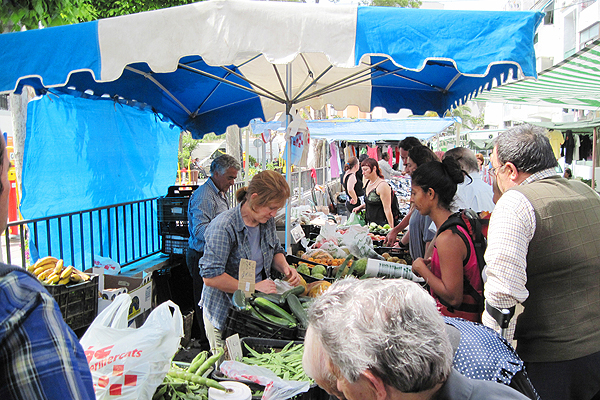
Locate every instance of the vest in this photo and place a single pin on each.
(561, 317)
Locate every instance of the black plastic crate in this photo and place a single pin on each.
(402, 253)
(245, 325)
(174, 244)
(309, 279)
(78, 303)
(172, 212)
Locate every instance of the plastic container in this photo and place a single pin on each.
(172, 214)
(78, 303)
(246, 325)
(378, 268)
(174, 244)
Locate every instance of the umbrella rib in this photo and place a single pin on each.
(225, 81)
(333, 86)
(354, 79)
(252, 83)
(157, 83)
(312, 82)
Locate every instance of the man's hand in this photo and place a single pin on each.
(391, 237)
(266, 286)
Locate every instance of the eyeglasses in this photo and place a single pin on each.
(493, 170)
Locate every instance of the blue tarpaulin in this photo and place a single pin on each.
(82, 154)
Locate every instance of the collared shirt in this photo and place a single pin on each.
(387, 170)
(40, 355)
(473, 193)
(205, 204)
(226, 244)
(512, 227)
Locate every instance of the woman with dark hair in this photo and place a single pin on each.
(246, 231)
(378, 195)
(452, 263)
(352, 184)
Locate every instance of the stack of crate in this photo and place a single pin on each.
(173, 219)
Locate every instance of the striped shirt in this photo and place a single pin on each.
(227, 242)
(205, 204)
(512, 227)
(40, 356)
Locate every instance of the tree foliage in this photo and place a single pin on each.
(111, 8)
(392, 3)
(31, 13)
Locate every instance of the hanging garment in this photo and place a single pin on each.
(569, 146)
(556, 140)
(372, 152)
(334, 160)
(585, 149)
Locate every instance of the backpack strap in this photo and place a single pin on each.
(452, 223)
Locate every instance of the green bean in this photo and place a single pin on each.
(197, 362)
(210, 361)
(195, 379)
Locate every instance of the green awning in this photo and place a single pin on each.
(578, 127)
(481, 144)
(573, 83)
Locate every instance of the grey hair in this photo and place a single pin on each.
(527, 147)
(222, 163)
(390, 327)
(465, 157)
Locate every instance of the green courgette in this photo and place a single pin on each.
(274, 298)
(265, 316)
(298, 310)
(273, 309)
(297, 290)
(239, 300)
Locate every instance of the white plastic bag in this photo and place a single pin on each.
(126, 362)
(275, 387)
(110, 266)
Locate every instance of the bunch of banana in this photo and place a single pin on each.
(51, 271)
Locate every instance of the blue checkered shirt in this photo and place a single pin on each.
(205, 204)
(226, 244)
(40, 356)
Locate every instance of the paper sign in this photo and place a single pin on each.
(297, 233)
(247, 276)
(234, 347)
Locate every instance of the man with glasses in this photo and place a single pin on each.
(544, 252)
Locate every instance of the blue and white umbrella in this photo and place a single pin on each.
(212, 64)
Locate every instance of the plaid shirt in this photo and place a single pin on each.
(40, 356)
(226, 244)
(205, 204)
(512, 227)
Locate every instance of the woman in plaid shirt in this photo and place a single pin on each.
(246, 231)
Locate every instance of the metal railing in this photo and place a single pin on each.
(125, 232)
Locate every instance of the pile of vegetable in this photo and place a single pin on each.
(187, 380)
(285, 310)
(285, 363)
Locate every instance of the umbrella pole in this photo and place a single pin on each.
(288, 167)
(594, 157)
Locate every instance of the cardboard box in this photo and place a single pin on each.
(139, 286)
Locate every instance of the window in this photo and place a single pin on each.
(3, 102)
(589, 34)
(549, 17)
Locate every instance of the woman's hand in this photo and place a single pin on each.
(420, 265)
(292, 276)
(392, 236)
(266, 286)
(352, 201)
